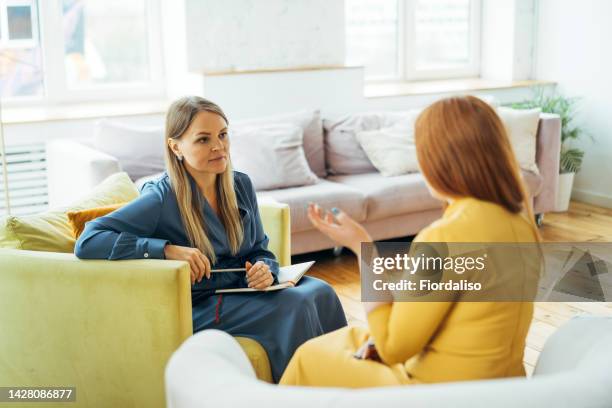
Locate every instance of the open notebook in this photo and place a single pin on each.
(288, 276)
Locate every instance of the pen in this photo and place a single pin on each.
(229, 270)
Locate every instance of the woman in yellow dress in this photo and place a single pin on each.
(466, 159)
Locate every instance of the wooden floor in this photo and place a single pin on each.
(583, 222)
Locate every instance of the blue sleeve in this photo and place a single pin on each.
(125, 233)
(259, 251)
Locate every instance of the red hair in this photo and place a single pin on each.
(464, 151)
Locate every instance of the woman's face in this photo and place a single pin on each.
(205, 144)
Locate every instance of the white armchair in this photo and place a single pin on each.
(210, 370)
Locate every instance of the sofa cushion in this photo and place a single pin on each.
(325, 193)
(389, 196)
(77, 219)
(343, 153)
(310, 122)
(144, 180)
(272, 155)
(522, 128)
(391, 150)
(51, 231)
(139, 150)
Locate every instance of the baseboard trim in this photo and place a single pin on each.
(590, 197)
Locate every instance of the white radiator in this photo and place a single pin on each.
(27, 180)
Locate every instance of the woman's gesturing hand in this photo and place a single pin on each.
(199, 263)
(259, 275)
(339, 227)
(368, 352)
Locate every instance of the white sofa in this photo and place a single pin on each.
(210, 370)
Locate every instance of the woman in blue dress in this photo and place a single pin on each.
(203, 212)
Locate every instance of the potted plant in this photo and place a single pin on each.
(571, 157)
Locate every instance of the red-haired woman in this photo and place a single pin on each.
(466, 159)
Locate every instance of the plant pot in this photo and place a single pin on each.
(564, 191)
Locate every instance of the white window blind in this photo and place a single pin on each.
(27, 180)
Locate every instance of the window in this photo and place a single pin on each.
(372, 36)
(413, 39)
(90, 49)
(21, 72)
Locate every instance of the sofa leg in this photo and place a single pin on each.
(337, 250)
(539, 219)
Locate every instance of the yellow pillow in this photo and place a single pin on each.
(51, 231)
(77, 219)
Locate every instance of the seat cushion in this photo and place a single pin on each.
(325, 193)
(389, 196)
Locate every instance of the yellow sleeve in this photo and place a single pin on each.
(402, 329)
(432, 233)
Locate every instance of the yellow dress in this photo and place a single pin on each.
(428, 342)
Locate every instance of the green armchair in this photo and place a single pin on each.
(107, 328)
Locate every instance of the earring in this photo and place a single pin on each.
(179, 157)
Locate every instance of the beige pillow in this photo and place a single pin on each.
(271, 155)
(310, 122)
(50, 230)
(343, 153)
(139, 149)
(391, 149)
(522, 128)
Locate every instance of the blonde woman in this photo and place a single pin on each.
(203, 212)
(466, 159)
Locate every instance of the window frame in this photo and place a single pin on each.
(5, 41)
(406, 71)
(56, 89)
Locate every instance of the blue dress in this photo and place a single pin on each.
(280, 320)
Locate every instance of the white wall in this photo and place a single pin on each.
(251, 34)
(313, 27)
(573, 48)
(43, 131)
(333, 91)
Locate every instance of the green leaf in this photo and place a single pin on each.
(571, 160)
(565, 107)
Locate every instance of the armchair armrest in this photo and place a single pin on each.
(277, 225)
(74, 168)
(95, 325)
(548, 150)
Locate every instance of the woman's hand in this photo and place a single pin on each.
(343, 229)
(368, 352)
(198, 262)
(259, 275)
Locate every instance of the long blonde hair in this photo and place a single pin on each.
(178, 118)
(469, 129)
